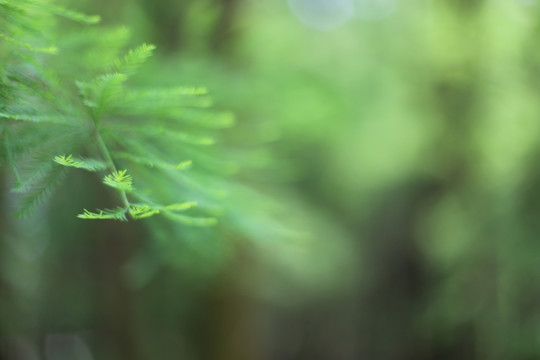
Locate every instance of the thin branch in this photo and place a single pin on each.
(111, 166)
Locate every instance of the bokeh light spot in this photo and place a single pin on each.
(322, 14)
(374, 9)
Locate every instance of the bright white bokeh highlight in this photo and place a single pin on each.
(374, 9)
(330, 14)
(322, 14)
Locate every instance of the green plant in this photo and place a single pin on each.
(71, 107)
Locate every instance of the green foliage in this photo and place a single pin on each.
(80, 163)
(38, 188)
(50, 49)
(119, 180)
(61, 11)
(142, 211)
(134, 59)
(107, 214)
(181, 206)
(158, 135)
(152, 162)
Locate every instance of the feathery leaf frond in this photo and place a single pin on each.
(47, 50)
(150, 162)
(80, 163)
(106, 214)
(181, 206)
(190, 220)
(162, 133)
(103, 91)
(52, 119)
(41, 190)
(68, 14)
(41, 117)
(142, 211)
(119, 180)
(134, 59)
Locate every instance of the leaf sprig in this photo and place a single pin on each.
(120, 180)
(80, 163)
(164, 136)
(106, 214)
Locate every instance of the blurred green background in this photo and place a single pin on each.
(400, 144)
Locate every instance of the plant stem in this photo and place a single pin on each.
(111, 166)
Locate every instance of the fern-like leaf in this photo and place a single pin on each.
(100, 93)
(68, 14)
(146, 161)
(181, 206)
(53, 119)
(142, 126)
(9, 156)
(80, 163)
(191, 221)
(162, 133)
(142, 211)
(106, 214)
(48, 49)
(153, 100)
(134, 59)
(120, 180)
(40, 191)
(25, 184)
